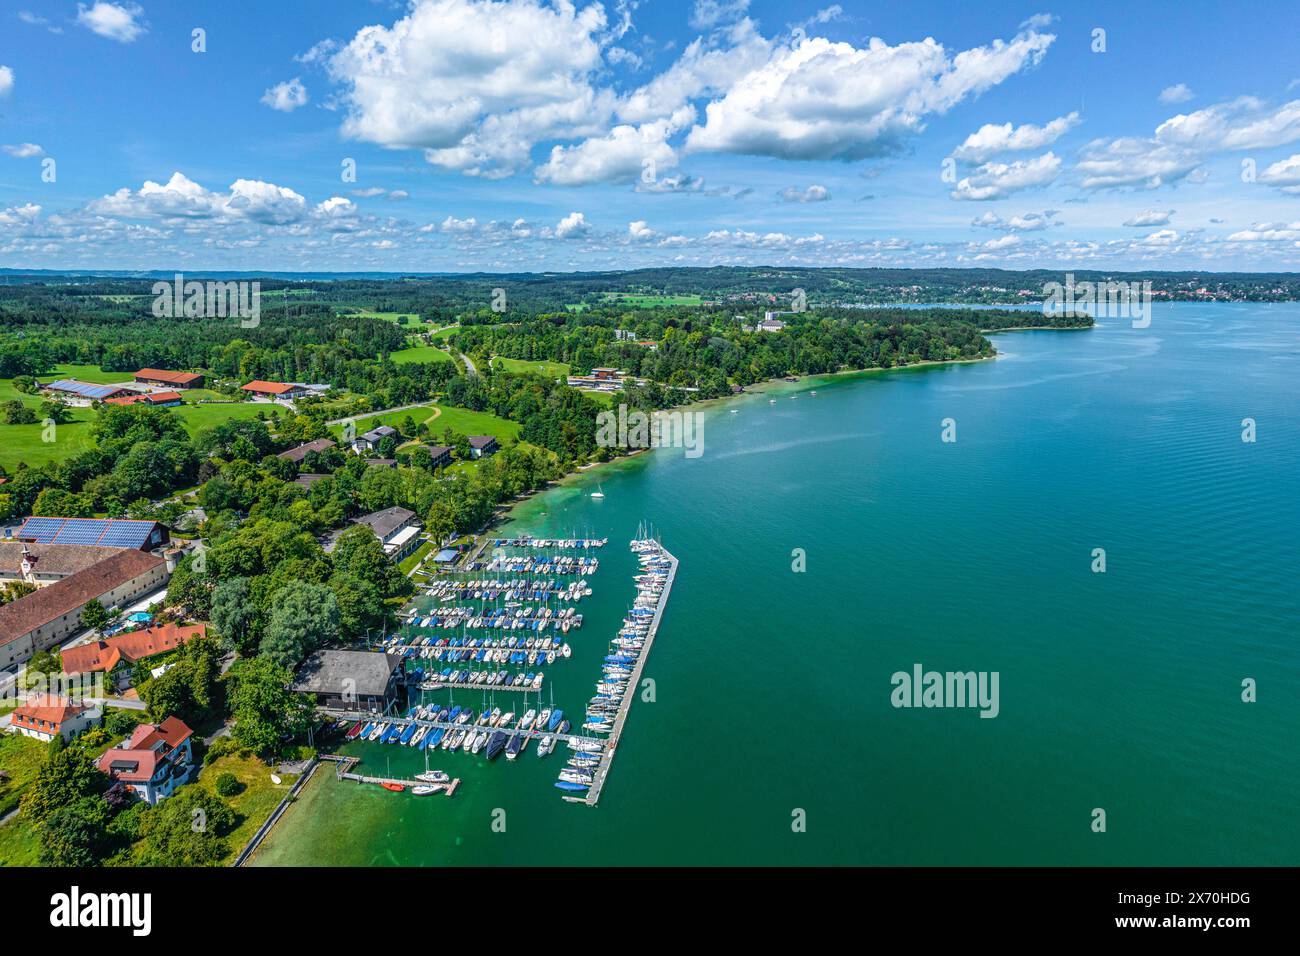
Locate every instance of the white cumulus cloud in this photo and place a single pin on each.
(824, 100)
(991, 139)
(1178, 93)
(473, 83)
(999, 180)
(287, 96)
(116, 21)
(572, 226)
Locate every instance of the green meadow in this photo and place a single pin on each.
(439, 418)
(551, 370)
(420, 353)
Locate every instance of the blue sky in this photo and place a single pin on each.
(522, 134)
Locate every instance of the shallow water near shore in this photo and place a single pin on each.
(1118, 690)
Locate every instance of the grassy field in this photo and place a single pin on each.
(650, 301)
(19, 443)
(445, 332)
(196, 417)
(439, 418)
(398, 317)
(26, 443)
(551, 370)
(254, 803)
(420, 353)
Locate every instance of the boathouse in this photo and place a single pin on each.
(350, 680)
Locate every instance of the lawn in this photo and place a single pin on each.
(439, 418)
(254, 803)
(26, 443)
(86, 373)
(408, 564)
(551, 370)
(420, 353)
(21, 758)
(445, 332)
(196, 417)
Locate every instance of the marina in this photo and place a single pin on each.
(588, 771)
(429, 725)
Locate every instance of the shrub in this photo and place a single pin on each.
(228, 785)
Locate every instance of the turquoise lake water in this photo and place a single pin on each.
(1118, 690)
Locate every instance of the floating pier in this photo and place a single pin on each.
(466, 685)
(574, 741)
(447, 788)
(625, 705)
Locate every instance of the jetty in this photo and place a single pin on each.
(625, 705)
(431, 685)
(574, 741)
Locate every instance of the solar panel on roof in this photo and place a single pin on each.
(105, 532)
(42, 530)
(81, 531)
(126, 534)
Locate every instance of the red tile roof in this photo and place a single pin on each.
(171, 731)
(270, 388)
(163, 375)
(133, 766)
(103, 655)
(153, 398)
(48, 709)
(68, 595)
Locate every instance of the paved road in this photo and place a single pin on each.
(469, 366)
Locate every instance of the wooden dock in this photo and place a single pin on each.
(634, 682)
(448, 788)
(466, 685)
(573, 741)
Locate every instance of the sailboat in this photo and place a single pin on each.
(598, 493)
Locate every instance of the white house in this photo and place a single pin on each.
(44, 715)
(154, 762)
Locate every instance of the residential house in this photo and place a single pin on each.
(439, 455)
(296, 455)
(274, 390)
(45, 716)
(152, 399)
(369, 441)
(481, 445)
(156, 759)
(105, 654)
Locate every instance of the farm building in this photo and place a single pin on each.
(274, 389)
(154, 399)
(158, 376)
(87, 390)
